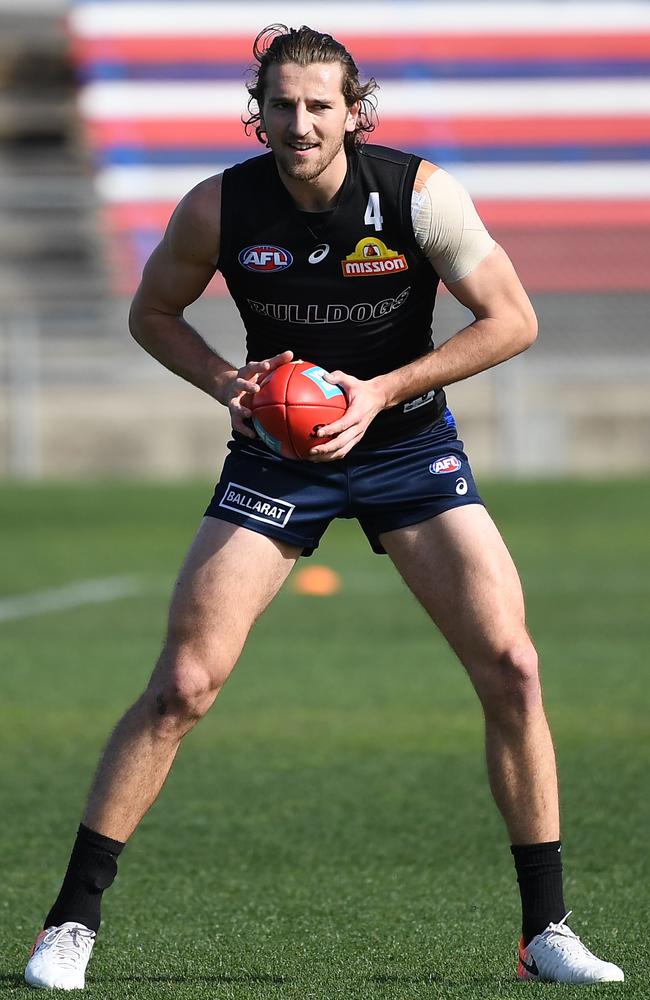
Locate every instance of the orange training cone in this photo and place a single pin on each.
(317, 581)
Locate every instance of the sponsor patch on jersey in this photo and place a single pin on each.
(319, 253)
(265, 259)
(256, 505)
(443, 465)
(371, 257)
(415, 404)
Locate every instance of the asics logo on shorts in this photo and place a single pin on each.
(256, 505)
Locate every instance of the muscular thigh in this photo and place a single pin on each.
(458, 567)
(229, 576)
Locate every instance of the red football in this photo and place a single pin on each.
(293, 402)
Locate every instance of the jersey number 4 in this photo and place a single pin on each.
(373, 215)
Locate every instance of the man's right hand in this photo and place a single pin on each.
(235, 386)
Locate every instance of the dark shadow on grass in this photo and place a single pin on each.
(15, 979)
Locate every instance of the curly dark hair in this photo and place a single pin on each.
(279, 44)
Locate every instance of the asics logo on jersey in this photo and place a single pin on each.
(265, 259)
(319, 254)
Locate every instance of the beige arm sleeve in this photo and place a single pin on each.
(447, 226)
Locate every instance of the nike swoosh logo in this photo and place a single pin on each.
(532, 968)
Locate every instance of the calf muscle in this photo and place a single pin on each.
(459, 569)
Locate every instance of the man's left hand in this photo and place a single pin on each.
(365, 401)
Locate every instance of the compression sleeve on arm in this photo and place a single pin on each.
(447, 226)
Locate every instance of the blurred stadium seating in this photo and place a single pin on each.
(542, 109)
(48, 245)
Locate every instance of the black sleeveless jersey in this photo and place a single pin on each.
(347, 289)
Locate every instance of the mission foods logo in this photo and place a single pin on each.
(264, 259)
(371, 256)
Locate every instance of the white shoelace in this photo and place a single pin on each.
(71, 945)
(568, 942)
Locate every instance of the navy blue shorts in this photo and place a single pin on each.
(384, 488)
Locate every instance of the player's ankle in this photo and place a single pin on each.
(539, 874)
(91, 870)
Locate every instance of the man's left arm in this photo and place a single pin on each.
(504, 325)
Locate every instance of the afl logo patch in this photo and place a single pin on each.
(265, 259)
(447, 464)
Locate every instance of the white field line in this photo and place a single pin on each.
(72, 595)
(359, 583)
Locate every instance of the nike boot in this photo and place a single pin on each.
(59, 957)
(557, 955)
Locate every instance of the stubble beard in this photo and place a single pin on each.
(309, 171)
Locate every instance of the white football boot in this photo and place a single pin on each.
(59, 957)
(557, 955)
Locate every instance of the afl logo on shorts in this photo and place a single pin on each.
(447, 464)
(265, 259)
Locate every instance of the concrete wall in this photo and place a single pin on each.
(512, 426)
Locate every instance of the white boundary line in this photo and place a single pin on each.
(72, 595)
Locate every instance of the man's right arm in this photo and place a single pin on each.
(175, 275)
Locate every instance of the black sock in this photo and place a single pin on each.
(539, 873)
(92, 868)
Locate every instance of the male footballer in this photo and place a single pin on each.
(290, 231)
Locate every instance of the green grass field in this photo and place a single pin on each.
(327, 831)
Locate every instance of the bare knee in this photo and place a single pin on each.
(508, 685)
(183, 687)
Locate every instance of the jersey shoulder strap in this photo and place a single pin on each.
(399, 169)
(239, 184)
